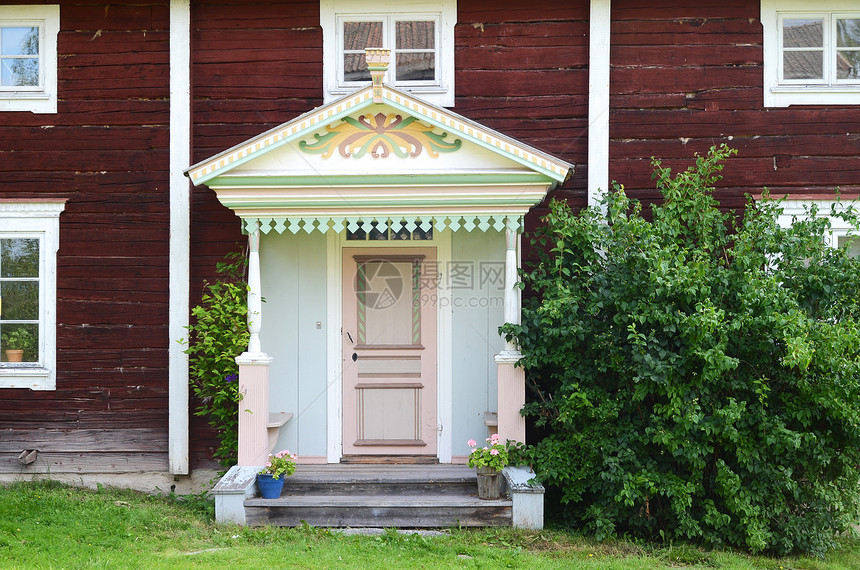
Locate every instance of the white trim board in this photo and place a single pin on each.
(180, 233)
(598, 100)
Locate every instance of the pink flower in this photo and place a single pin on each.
(471, 443)
(494, 452)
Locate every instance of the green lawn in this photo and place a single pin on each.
(46, 525)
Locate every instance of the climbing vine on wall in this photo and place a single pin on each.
(217, 335)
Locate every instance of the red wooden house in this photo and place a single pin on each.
(142, 140)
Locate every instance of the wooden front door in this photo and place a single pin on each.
(389, 351)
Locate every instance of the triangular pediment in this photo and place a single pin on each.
(394, 156)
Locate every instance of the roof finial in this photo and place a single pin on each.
(377, 63)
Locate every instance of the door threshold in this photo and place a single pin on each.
(391, 459)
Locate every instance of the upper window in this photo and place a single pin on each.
(29, 239)
(28, 58)
(418, 33)
(811, 56)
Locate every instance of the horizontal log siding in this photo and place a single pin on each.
(254, 66)
(522, 69)
(106, 151)
(688, 75)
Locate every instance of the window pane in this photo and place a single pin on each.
(19, 257)
(416, 66)
(803, 65)
(420, 234)
(378, 231)
(852, 243)
(362, 35)
(400, 233)
(19, 337)
(19, 72)
(19, 41)
(416, 35)
(355, 67)
(20, 300)
(847, 64)
(358, 235)
(802, 33)
(848, 33)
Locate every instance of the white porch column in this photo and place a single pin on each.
(254, 371)
(511, 379)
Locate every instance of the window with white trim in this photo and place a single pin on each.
(29, 240)
(28, 58)
(420, 35)
(841, 234)
(811, 52)
(849, 242)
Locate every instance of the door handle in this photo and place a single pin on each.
(349, 336)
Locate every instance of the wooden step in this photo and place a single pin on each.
(380, 480)
(378, 511)
(390, 459)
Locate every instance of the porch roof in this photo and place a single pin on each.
(398, 160)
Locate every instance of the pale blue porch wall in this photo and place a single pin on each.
(478, 312)
(295, 302)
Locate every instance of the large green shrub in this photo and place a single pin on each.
(697, 376)
(217, 335)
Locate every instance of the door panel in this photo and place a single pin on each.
(389, 352)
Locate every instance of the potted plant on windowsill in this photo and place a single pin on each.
(16, 343)
(489, 462)
(270, 479)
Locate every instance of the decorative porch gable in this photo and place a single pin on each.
(399, 159)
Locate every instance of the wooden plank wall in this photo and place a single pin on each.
(106, 151)
(688, 75)
(522, 69)
(254, 66)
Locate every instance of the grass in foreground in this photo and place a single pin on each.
(47, 525)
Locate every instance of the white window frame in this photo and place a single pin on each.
(37, 219)
(797, 209)
(828, 91)
(41, 99)
(443, 12)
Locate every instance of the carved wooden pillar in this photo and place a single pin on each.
(511, 379)
(254, 371)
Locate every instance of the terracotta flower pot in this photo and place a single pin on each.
(14, 355)
(489, 483)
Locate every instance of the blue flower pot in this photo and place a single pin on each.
(269, 487)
